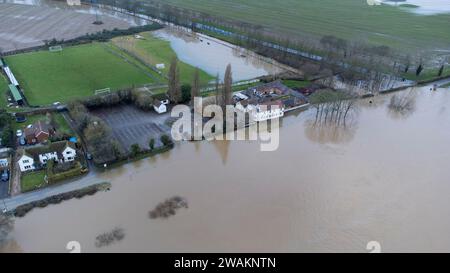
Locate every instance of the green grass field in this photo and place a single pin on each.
(3, 91)
(75, 72)
(349, 19)
(32, 181)
(155, 51)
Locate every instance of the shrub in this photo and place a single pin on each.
(151, 143)
(166, 140)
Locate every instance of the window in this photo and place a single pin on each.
(70, 158)
(68, 152)
(26, 161)
(27, 167)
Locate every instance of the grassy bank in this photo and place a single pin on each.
(75, 72)
(56, 199)
(3, 91)
(348, 19)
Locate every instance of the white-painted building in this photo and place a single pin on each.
(26, 163)
(159, 107)
(62, 151)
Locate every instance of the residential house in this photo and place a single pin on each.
(38, 132)
(61, 151)
(269, 101)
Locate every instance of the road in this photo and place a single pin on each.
(24, 198)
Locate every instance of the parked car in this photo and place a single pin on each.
(19, 133)
(5, 176)
(89, 156)
(22, 140)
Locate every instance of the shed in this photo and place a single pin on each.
(16, 94)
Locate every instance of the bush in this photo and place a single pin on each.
(166, 140)
(151, 144)
(135, 149)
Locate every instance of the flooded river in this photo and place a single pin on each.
(383, 177)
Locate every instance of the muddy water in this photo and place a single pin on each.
(212, 55)
(385, 177)
(427, 7)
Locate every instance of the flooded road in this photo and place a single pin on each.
(383, 177)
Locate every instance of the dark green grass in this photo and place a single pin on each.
(75, 72)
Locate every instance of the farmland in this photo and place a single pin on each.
(75, 72)
(349, 19)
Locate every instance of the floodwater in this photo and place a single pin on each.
(383, 177)
(427, 7)
(212, 55)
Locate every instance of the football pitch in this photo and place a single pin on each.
(74, 72)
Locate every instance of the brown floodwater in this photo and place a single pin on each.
(384, 177)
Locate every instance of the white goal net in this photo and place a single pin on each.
(102, 91)
(55, 48)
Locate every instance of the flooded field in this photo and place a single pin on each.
(212, 55)
(427, 7)
(383, 177)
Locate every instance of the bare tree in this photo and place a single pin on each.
(195, 89)
(174, 91)
(227, 94)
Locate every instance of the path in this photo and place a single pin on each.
(24, 198)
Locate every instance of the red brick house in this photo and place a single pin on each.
(39, 132)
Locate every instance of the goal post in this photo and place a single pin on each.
(57, 48)
(103, 91)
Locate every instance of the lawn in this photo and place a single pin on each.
(349, 19)
(32, 180)
(154, 51)
(3, 91)
(296, 84)
(75, 72)
(61, 124)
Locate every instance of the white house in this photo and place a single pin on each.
(69, 153)
(61, 151)
(159, 107)
(26, 163)
(261, 112)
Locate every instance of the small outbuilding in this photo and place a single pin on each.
(16, 94)
(159, 107)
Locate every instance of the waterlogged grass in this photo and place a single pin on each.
(155, 51)
(75, 72)
(348, 19)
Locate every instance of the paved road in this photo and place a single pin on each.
(24, 198)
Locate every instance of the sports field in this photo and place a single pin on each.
(350, 19)
(156, 51)
(75, 72)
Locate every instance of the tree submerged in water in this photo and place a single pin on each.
(108, 238)
(168, 208)
(6, 226)
(402, 105)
